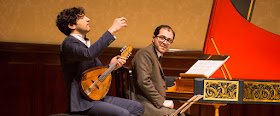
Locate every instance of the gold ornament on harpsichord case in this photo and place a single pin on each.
(221, 90)
(261, 92)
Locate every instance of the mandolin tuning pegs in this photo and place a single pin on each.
(128, 55)
(122, 49)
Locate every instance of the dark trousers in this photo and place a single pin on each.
(115, 106)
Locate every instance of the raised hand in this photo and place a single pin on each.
(117, 25)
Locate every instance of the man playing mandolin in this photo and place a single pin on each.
(78, 55)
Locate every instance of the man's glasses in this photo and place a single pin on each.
(163, 39)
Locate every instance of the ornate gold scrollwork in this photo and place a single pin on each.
(261, 91)
(221, 90)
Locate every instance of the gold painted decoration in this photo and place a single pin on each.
(221, 90)
(261, 91)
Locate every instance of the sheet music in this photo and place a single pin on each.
(205, 67)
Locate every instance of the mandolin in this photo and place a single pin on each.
(95, 82)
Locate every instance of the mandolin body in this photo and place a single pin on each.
(91, 86)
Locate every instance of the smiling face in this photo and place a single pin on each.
(82, 25)
(163, 39)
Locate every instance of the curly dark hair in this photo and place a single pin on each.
(165, 27)
(68, 16)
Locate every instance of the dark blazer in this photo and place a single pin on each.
(150, 83)
(75, 58)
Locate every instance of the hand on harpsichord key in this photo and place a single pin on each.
(168, 104)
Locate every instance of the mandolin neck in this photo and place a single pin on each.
(107, 72)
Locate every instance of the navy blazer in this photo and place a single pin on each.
(75, 58)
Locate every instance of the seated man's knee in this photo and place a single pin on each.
(139, 109)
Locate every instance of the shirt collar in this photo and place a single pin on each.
(157, 52)
(80, 37)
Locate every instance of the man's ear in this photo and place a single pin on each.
(72, 26)
(153, 38)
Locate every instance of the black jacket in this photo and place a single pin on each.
(75, 58)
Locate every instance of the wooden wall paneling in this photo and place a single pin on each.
(33, 71)
(54, 94)
(18, 83)
(179, 61)
(16, 90)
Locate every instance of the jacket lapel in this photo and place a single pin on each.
(155, 57)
